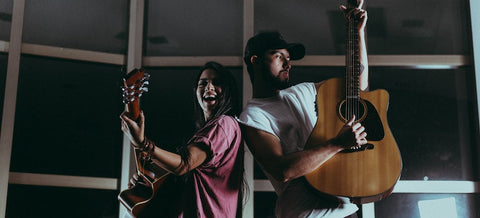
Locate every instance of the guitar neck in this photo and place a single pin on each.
(353, 65)
(352, 59)
(133, 108)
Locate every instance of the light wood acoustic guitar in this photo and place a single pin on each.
(364, 174)
(137, 199)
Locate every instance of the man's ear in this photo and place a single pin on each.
(253, 59)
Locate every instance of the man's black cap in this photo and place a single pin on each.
(264, 41)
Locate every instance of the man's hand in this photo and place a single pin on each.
(352, 135)
(356, 13)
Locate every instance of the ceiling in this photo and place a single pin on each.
(196, 28)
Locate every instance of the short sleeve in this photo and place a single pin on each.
(216, 138)
(256, 118)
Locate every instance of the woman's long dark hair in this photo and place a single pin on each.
(228, 100)
(228, 104)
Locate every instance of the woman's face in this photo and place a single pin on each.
(208, 91)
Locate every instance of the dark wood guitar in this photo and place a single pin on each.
(364, 174)
(137, 198)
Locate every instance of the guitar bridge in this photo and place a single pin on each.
(361, 148)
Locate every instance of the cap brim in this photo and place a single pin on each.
(296, 50)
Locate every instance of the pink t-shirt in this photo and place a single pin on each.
(217, 181)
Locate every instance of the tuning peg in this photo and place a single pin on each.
(125, 100)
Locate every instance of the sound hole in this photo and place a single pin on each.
(367, 115)
(347, 108)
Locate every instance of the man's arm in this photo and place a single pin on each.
(362, 47)
(267, 150)
(362, 17)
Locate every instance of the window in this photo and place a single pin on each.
(66, 138)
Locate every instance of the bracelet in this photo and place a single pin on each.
(148, 147)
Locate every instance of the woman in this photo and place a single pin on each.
(213, 156)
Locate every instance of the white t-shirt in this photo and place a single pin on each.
(291, 116)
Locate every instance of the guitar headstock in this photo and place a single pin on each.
(354, 4)
(134, 85)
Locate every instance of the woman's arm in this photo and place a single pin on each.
(170, 161)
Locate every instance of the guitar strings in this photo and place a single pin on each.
(352, 106)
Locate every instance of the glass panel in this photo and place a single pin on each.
(60, 202)
(264, 204)
(394, 27)
(190, 28)
(168, 105)
(67, 118)
(314, 74)
(412, 205)
(5, 19)
(82, 24)
(433, 119)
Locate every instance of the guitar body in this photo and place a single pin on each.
(364, 175)
(138, 199)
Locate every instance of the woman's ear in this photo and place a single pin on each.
(253, 59)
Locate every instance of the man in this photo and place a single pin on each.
(278, 121)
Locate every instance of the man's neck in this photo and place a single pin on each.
(264, 90)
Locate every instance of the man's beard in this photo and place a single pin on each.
(275, 80)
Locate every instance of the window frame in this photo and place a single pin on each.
(134, 59)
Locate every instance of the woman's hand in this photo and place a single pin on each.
(135, 131)
(136, 180)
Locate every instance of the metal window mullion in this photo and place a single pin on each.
(63, 181)
(74, 54)
(475, 22)
(134, 60)
(248, 31)
(192, 61)
(408, 186)
(429, 61)
(418, 61)
(368, 210)
(415, 61)
(11, 85)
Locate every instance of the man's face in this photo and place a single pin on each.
(276, 63)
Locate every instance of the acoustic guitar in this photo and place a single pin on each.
(137, 198)
(370, 172)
